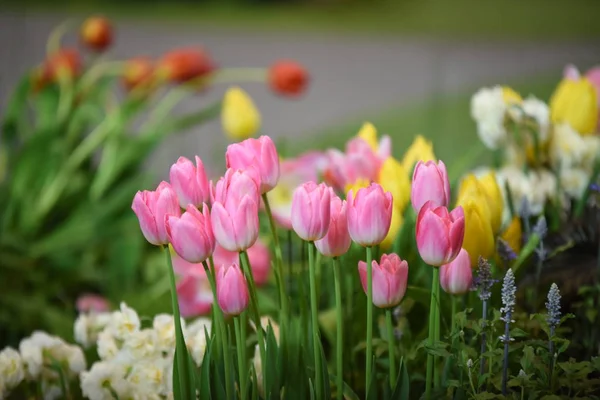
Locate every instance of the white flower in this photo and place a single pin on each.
(11, 368)
(574, 181)
(96, 384)
(518, 184)
(75, 358)
(197, 346)
(52, 391)
(150, 377)
(591, 153)
(124, 322)
(198, 326)
(541, 188)
(539, 111)
(142, 344)
(567, 148)
(107, 345)
(31, 354)
(164, 326)
(488, 109)
(88, 325)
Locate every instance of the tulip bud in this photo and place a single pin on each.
(430, 183)
(138, 72)
(260, 154)
(478, 234)
(64, 62)
(575, 102)
(97, 33)
(190, 182)
(232, 290)
(390, 279)
(191, 234)
(184, 64)
(288, 78)
(439, 233)
(456, 276)
(91, 303)
(234, 213)
(239, 116)
(337, 240)
(152, 209)
(369, 215)
(310, 211)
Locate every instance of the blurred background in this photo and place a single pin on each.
(409, 67)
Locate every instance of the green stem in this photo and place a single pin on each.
(254, 310)
(369, 317)
(435, 283)
(437, 377)
(241, 349)
(220, 319)
(314, 318)
(340, 331)
(181, 354)
(391, 350)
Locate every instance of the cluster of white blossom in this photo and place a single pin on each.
(41, 358)
(135, 362)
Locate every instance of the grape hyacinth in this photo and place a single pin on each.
(483, 283)
(506, 253)
(553, 319)
(509, 291)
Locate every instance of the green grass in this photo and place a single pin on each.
(446, 122)
(535, 19)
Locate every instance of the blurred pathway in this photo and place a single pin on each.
(351, 75)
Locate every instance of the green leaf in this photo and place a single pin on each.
(347, 391)
(372, 387)
(402, 389)
(325, 372)
(13, 123)
(273, 388)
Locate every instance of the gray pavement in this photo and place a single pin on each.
(351, 75)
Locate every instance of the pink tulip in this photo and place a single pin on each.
(310, 210)
(190, 182)
(152, 208)
(571, 72)
(194, 295)
(232, 290)
(191, 234)
(258, 153)
(337, 240)
(364, 161)
(390, 278)
(430, 182)
(369, 215)
(91, 303)
(439, 233)
(234, 214)
(259, 256)
(456, 276)
(184, 268)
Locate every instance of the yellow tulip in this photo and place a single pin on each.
(421, 149)
(510, 96)
(395, 226)
(358, 184)
(368, 133)
(471, 188)
(486, 188)
(575, 101)
(479, 237)
(513, 234)
(239, 116)
(394, 179)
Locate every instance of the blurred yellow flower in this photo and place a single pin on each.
(394, 179)
(395, 226)
(575, 101)
(421, 149)
(510, 96)
(479, 237)
(358, 184)
(513, 234)
(368, 133)
(239, 116)
(485, 188)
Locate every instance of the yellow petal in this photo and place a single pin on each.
(510, 96)
(575, 102)
(358, 184)
(368, 133)
(479, 238)
(513, 234)
(395, 226)
(394, 179)
(495, 200)
(239, 116)
(420, 150)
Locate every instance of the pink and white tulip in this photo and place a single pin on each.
(190, 182)
(232, 290)
(88, 302)
(369, 215)
(194, 295)
(258, 153)
(439, 233)
(337, 240)
(310, 211)
(191, 234)
(390, 279)
(258, 255)
(234, 213)
(152, 209)
(456, 276)
(430, 183)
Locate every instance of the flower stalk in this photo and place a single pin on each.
(508, 303)
(369, 355)
(339, 352)
(391, 347)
